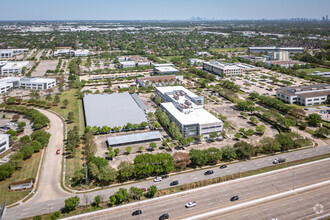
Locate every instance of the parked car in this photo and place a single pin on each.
(174, 183)
(58, 151)
(191, 204)
(158, 179)
(164, 216)
(223, 166)
(137, 212)
(209, 172)
(234, 198)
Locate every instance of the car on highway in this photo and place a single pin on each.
(234, 198)
(174, 183)
(137, 212)
(223, 166)
(191, 204)
(58, 151)
(158, 179)
(164, 216)
(209, 172)
(277, 161)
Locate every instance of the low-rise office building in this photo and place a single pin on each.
(165, 70)
(26, 83)
(8, 83)
(195, 61)
(202, 53)
(75, 53)
(5, 143)
(304, 95)
(13, 67)
(158, 80)
(275, 49)
(132, 61)
(186, 110)
(9, 53)
(252, 58)
(284, 63)
(223, 69)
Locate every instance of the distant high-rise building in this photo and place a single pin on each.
(326, 18)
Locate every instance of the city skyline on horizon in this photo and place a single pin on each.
(37, 10)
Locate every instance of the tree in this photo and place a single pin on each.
(153, 146)
(113, 200)
(125, 171)
(254, 120)
(199, 137)
(322, 132)
(181, 160)
(141, 148)
(71, 117)
(116, 150)
(49, 98)
(314, 119)
(71, 204)
(121, 196)
(128, 149)
(171, 146)
(111, 153)
(158, 100)
(285, 141)
(261, 129)
(151, 192)
(135, 192)
(15, 117)
(238, 136)
(244, 150)
(107, 175)
(97, 200)
(183, 142)
(56, 100)
(228, 153)
(270, 145)
(155, 125)
(213, 135)
(65, 103)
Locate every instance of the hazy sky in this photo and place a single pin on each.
(160, 9)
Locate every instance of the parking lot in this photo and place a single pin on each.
(7, 123)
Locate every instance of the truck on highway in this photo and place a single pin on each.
(277, 161)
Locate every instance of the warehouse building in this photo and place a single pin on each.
(276, 49)
(112, 110)
(8, 67)
(186, 110)
(159, 80)
(131, 139)
(5, 143)
(304, 95)
(223, 69)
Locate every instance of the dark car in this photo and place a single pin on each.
(164, 216)
(209, 172)
(234, 198)
(137, 212)
(175, 182)
(223, 166)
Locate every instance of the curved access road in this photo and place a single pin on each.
(50, 176)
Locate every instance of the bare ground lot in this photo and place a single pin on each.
(43, 66)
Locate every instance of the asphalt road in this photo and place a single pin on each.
(50, 178)
(35, 207)
(305, 205)
(218, 197)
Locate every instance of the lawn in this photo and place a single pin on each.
(28, 170)
(168, 58)
(72, 165)
(311, 70)
(228, 49)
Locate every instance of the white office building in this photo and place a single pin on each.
(8, 83)
(75, 53)
(194, 61)
(276, 49)
(186, 110)
(5, 143)
(13, 67)
(202, 53)
(126, 64)
(223, 69)
(304, 95)
(9, 53)
(128, 61)
(37, 83)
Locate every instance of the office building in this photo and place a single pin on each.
(276, 49)
(9, 53)
(165, 70)
(132, 61)
(279, 55)
(195, 61)
(253, 59)
(304, 95)
(137, 138)
(159, 80)
(223, 69)
(202, 53)
(186, 110)
(5, 143)
(75, 53)
(284, 63)
(26, 83)
(8, 67)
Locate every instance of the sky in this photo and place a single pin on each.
(160, 9)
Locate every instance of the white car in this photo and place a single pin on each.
(191, 204)
(158, 179)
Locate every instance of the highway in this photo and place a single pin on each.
(218, 197)
(57, 202)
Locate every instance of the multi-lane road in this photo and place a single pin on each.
(259, 187)
(50, 196)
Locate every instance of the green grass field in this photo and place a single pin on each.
(28, 170)
(311, 70)
(228, 49)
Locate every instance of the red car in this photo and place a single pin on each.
(58, 151)
(144, 189)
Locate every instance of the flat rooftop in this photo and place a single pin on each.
(166, 89)
(196, 116)
(224, 66)
(36, 80)
(134, 138)
(166, 69)
(112, 110)
(17, 64)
